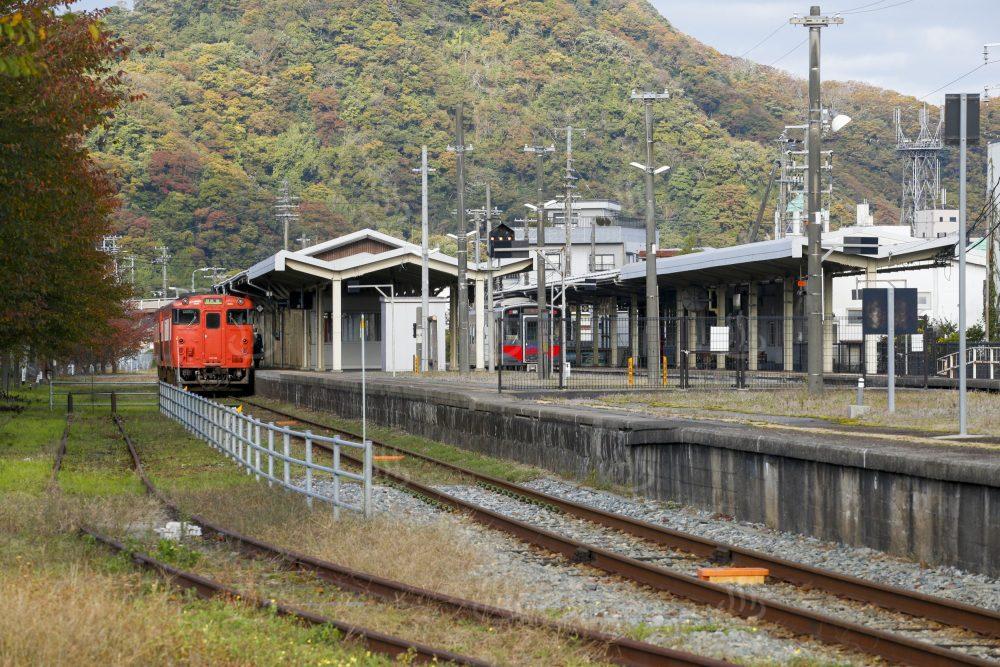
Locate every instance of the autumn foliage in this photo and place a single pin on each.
(56, 289)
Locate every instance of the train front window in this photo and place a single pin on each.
(186, 316)
(238, 316)
(213, 320)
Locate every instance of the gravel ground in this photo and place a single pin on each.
(582, 595)
(867, 615)
(975, 589)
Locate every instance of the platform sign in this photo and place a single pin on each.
(719, 339)
(874, 310)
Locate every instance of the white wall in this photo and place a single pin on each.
(940, 283)
(399, 345)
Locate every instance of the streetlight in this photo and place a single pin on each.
(205, 269)
(354, 288)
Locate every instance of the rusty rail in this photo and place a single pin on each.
(621, 650)
(207, 588)
(821, 626)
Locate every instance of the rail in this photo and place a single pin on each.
(250, 443)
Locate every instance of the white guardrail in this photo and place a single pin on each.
(251, 443)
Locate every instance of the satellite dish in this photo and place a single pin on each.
(839, 122)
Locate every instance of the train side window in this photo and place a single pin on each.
(237, 316)
(213, 320)
(186, 316)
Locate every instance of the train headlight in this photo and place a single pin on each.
(180, 341)
(244, 341)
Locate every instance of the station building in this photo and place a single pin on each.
(311, 303)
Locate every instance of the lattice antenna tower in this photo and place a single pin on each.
(922, 181)
(286, 210)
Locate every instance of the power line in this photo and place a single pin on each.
(877, 9)
(769, 36)
(854, 9)
(789, 52)
(959, 78)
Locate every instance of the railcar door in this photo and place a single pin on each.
(214, 337)
(529, 339)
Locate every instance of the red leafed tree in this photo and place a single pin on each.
(326, 114)
(55, 203)
(174, 171)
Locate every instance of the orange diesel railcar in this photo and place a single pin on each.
(205, 342)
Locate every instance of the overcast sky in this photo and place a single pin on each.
(913, 46)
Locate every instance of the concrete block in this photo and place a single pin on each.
(855, 411)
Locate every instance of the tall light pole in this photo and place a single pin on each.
(460, 149)
(424, 270)
(814, 283)
(543, 307)
(652, 288)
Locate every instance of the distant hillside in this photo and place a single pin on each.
(338, 95)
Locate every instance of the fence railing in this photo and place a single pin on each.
(609, 351)
(106, 392)
(258, 446)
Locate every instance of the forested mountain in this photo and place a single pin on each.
(338, 95)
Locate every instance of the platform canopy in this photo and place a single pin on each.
(367, 256)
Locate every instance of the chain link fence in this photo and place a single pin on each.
(610, 352)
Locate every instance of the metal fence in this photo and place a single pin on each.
(609, 352)
(256, 446)
(102, 392)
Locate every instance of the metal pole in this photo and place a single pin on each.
(392, 331)
(890, 369)
(542, 297)
(962, 222)
(652, 288)
(814, 282)
(490, 325)
(463, 287)
(364, 395)
(424, 258)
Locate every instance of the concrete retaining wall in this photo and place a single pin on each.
(938, 504)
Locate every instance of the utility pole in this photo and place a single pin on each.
(303, 241)
(286, 210)
(963, 242)
(425, 303)
(568, 197)
(460, 149)
(993, 251)
(490, 324)
(131, 267)
(543, 308)
(814, 283)
(162, 261)
(652, 287)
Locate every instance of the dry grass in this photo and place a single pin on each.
(933, 410)
(78, 616)
(430, 555)
(494, 642)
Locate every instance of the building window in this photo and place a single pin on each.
(952, 219)
(604, 262)
(350, 331)
(854, 316)
(923, 300)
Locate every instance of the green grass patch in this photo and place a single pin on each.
(27, 475)
(488, 465)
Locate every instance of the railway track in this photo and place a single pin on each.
(205, 587)
(824, 627)
(618, 649)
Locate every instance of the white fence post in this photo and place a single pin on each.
(240, 437)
